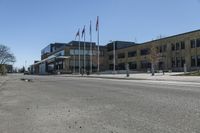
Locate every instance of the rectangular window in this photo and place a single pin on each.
(121, 66)
(144, 51)
(198, 60)
(160, 49)
(198, 42)
(132, 65)
(182, 45)
(173, 62)
(193, 61)
(164, 48)
(145, 65)
(192, 43)
(177, 46)
(110, 57)
(132, 54)
(111, 67)
(178, 62)
(182, 61)
(121, 55)
(173, 46)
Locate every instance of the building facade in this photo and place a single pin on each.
(65, 58)
(174, 53)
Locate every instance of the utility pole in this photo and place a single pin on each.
(114, 57)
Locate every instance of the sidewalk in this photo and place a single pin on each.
(144, 76)
(2, 80)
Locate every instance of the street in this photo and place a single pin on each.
(55, 104)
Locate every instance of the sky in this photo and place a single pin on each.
(27, 26)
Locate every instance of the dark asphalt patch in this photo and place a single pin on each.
(27, 80)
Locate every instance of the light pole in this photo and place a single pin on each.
(113, 55)
(74, 63)
(25, 65)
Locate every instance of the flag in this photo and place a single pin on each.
(97, 24)
(77, 34)
(90, 27)
(83, 32)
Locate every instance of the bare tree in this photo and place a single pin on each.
(6, 57)
(154, 57)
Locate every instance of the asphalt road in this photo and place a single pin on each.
(83, 105)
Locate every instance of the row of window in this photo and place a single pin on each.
(195, 61)
(178, 62)
(178, 46)
(175, 62)
(163, 48)
(195, 43)
(133, 65)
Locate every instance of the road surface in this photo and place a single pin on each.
(53, 104)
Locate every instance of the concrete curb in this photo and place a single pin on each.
(128, 78)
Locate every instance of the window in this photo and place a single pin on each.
(182, 45)
(173, 47)
(121, 66)
(192, 43)
(178, 62)
(164, 48)
(132, 65)
(132, 54)
(144, 52)
(173, 62)
(182, 61)
(110, 57)
(145, 64)
(160, 49)
(193, 61)
(161, 65)
(198, 60)
(177, 46)
(111, 66)
(198, 42)
(121, 55)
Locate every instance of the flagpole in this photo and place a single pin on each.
(98, 42)
(91, 46)
(79, 56)
(74, 62)
(84, 49)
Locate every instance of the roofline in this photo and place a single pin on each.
(181, 34)
(136, 44)
(80, 42)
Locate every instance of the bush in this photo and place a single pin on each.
(2, 69)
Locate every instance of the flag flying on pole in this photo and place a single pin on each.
(97, 24)
(77, 34)
(83, 32)
(90, 28)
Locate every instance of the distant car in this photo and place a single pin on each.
(26, 73)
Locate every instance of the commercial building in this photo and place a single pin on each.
(64, 58)
(175, 53)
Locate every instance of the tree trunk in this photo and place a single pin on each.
(152, 69)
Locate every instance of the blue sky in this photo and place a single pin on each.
(26, 26)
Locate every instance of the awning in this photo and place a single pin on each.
(50, 58)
